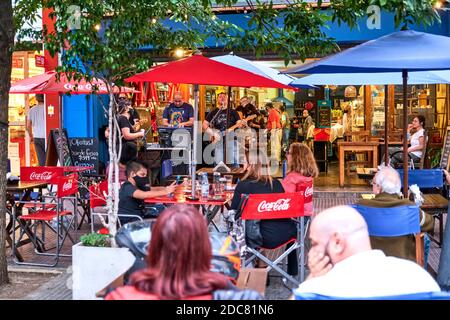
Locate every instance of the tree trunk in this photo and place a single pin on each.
(6, 43)
(113, 174)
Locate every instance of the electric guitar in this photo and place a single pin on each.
(216, 136)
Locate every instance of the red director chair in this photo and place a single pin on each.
(67, 188)
(276, 206)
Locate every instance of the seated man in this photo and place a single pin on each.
(386, 187)
(343, 264)
(133, 192)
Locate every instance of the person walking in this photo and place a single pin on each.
(36, 128)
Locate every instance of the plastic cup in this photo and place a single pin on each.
(229, 182)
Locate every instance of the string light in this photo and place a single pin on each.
(179, 53)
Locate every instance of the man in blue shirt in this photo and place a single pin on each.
(178, 113)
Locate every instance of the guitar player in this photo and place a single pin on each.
(215, 125)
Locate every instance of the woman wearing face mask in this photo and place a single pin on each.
(126, 128)
(137, 188)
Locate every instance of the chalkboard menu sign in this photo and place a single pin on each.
(324, 113)
(85, 153)
(445, 150)
(58, 148)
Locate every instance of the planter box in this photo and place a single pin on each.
(95, 267)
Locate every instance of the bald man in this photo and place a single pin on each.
(178, 113)
(343, 264)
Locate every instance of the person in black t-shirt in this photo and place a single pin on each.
(178, 113)
(215, 125)
(247, 109)
(125, 125)
(274, 232)
(135, 190)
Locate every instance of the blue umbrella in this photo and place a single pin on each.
(399, 51)
(417, 77)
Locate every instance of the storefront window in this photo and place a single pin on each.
(377, 96)
(427, 100)
(20, 152)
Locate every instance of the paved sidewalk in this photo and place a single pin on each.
(55, 289)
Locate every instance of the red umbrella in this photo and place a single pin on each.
(198, 69)
(47, 83)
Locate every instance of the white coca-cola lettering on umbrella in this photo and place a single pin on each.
(43, 176)
(279, 205)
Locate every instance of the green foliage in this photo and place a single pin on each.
(95, 240)
(113, 53)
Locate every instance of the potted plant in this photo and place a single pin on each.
(96, 264)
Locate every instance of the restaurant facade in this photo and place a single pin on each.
(353, 107)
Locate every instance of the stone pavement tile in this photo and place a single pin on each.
(55, 289)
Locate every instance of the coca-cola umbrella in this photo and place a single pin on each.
(48, 83)
(403, 51)
(199, 70)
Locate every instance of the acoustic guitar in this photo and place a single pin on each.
(216, 137)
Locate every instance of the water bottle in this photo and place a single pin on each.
(204, 188)
(216, 185)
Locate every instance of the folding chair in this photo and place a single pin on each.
(276, 206)
(28, 224)
(97, 203)
(395, 222)
(48, 174)
(434, 202)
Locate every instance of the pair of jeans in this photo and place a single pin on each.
(39, 146)
(232, 151)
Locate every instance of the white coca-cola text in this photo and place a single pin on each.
(67, 185)
(309, 192)
(43, 176)
(279, 205)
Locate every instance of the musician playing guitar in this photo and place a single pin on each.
(215, 125)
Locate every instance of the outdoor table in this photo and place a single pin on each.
(210, 207)
(24, 190)
(355, 146)
(237, 173)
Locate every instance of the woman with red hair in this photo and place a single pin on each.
(178, 261)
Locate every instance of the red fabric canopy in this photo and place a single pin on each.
(48, 84)
(204, 71)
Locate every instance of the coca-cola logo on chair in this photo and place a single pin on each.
(274, 206)
(279, 205)
(67, 185)
(41, 176)
(48, 174)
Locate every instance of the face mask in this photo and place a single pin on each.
(141, 182)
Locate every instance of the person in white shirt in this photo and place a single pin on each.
(36, 128)
(417, 142)
(343, 264)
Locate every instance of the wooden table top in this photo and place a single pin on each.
(357, 143)
(211, 201)
(234, 171)
(434, 201)
(24, 185)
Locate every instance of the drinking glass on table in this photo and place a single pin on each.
(229, 182)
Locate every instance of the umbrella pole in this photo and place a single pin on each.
(386, 125)
(225, 140)
(405, 132)
(194, 145)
